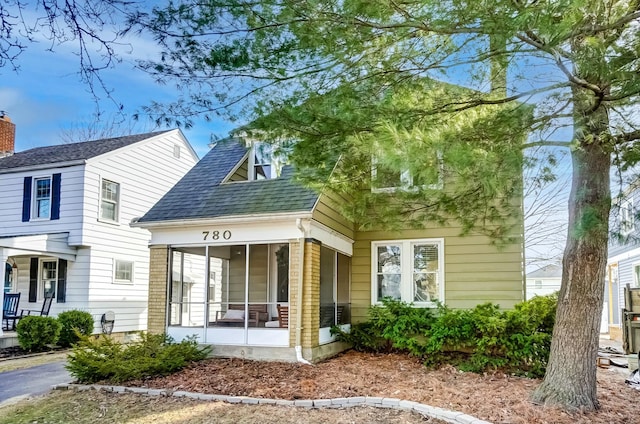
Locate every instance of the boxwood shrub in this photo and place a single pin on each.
(74, 325)
(36, 333)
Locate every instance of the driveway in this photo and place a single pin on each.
(19, 384)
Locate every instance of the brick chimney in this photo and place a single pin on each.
(7, 135)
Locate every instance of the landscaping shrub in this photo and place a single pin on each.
(477, 339)
(35, 333)
(74, 324)
(104, 359)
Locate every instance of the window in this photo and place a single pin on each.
(627, 224)
(538, 284)
(8, 278)
(262, 158)
(42, 198)
(48, 277)
(636, 275)
(123, 272)
(408, 270)
(385, 179)
(109, 198)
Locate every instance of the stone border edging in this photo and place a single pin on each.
(377, 402)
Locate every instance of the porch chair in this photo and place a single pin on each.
(44, 312)
(283, 316)
(10, 310)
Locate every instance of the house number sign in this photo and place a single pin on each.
(216, 235)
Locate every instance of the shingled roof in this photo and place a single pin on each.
(201, 194)
(70, 152)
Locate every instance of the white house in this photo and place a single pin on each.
(543, 281)
(65, 213)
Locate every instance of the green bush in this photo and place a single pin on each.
(104, 359)
(35, 333)
(394, 325)
(74, 324)
(477, 339)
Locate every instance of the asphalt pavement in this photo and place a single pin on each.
(34, 381)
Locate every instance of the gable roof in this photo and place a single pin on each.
(71, 152)
(201, 194)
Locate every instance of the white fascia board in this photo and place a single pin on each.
(622, 256)
(227, 232)
(236, 219)
(331, 238)
(42, 166)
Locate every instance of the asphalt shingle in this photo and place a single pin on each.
(200, 194)
(70, 152)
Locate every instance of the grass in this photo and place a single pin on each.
(99, 407)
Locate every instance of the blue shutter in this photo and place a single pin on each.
(26, 200)
(33, 280)
(55, 196)
(61, 292)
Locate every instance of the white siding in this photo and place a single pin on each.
(71, 197)
(145, 171)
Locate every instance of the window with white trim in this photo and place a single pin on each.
(408, 270)
(627, 221)
(123, 271)
(387, 180)
(109, 200)
(636, 275)
(42, 198)
(48, 277)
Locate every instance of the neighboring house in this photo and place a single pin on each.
(543, 281)
(65, 213)
(623, 264)
(261, 267)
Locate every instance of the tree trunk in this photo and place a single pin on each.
(570, 380)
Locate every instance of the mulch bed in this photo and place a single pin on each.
(17, 352)
(495, 397)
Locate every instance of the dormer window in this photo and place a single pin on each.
(262, 158)
(265, 161)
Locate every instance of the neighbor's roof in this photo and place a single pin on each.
(548, 271)
(200, 194)
(70, 152)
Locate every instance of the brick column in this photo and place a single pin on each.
(158, 264)
(311, 295)
(294, 275)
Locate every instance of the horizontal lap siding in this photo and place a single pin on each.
(475, 271)
(327, 213)
(145, 172)
(71, 197)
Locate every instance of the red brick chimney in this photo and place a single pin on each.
(7, 135)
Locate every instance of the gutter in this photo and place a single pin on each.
(298, 347)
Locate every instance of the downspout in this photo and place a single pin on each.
(298, 347)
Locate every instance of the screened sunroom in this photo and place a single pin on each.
(241, 294)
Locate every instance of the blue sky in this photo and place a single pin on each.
(46, 99)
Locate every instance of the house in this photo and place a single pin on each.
(545, 280)
(260, 267)
(65, 213)
(623, 262)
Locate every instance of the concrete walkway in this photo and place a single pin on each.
(34, 381)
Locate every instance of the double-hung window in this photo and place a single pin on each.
(408, 270)
(627, 221)
(42, 198)
(109, 200)
(49, 277)
(123, 271)
(384, 179)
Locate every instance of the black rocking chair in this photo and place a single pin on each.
(10, 310)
